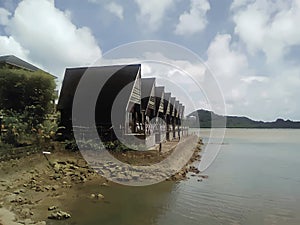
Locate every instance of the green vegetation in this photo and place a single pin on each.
(26, 92)
(26, 106)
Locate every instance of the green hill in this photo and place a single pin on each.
(204, 118)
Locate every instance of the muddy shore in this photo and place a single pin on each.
(34, 188)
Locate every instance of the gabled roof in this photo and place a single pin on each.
(180, 110)
(167, 99)
(114, 79)
(172, 106)
(176, 108)
(148, 86)
(159, 96)
(17, 62)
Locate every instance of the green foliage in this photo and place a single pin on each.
(15, 128)
(30, 93)
(19, 131)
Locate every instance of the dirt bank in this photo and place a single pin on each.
(34, 187)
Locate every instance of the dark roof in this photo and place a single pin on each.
(176, 108)
(113, 78)
(159, 95)
(167, 99)
(17, 62)
(172, 106)
(181, 110)
(148, 84)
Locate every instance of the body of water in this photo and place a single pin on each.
(254, 180)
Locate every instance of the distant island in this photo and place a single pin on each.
(204, 118)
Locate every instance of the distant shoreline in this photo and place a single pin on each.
(204, 119)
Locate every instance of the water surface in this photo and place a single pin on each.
(254, 180)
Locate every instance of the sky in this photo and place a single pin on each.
(252, 48)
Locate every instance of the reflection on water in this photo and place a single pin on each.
(254, 180)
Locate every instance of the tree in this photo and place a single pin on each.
(29, 93)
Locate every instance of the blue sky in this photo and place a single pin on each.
(252, 47)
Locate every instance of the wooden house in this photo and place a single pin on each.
(147, 115)
(160, 128)
(113, 80)
(148, 108)
(176, 120)
(167, 113)
(172, 118)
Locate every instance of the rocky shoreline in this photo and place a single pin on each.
(189, 167)
(35, 195)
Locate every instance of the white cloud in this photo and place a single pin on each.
(195, 20)
(240, 3)
(272, 97)
(4, 16)
(224, 61)
(9, 46)
(229, 67)
(151, 13)
(269, 26)
(252, 79)
(260, 97)
(49, 36)
(115, 9)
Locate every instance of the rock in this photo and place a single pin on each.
(83, 178)
(73, 167)
(56, 167)
(47, 187)
(105, 184)
(51, 208)
(59, 215)
(38, 189)
(100, 196)
(69, 161)
(56, 176)
(91, 171)
(61, 162)
(55, 187)
(16, 192)
(18, 199)
(93, 196)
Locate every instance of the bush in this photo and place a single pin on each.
(15, 128)
(26, 100)
(26, 92)
(19, 131)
